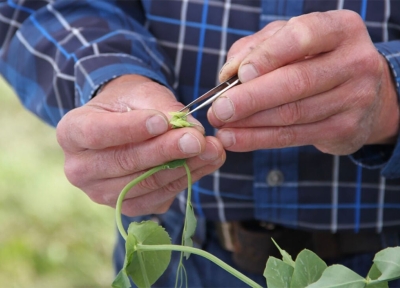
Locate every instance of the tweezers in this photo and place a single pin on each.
(213, 93)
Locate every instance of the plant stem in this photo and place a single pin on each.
(189, 193)
(141, 247)
(142, 267)
(205, 254)
(188, 203)
(121, 196)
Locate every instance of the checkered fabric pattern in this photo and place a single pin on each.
(56, 54)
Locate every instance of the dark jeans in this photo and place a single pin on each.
(202, 272)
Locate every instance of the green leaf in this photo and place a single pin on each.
(190, 228)
(122, 280)
(278, 273)
(285, 256)
(388, 262)
(374, 274)
(308, 268)
(180, 123)
(146, 267)
(177, 114)
(179, 120)
(379, 284)
(339, 276)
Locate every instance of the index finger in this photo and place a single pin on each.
(90, 129)
(130, 109)
(302, 36)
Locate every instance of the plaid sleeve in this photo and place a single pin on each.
(386, 157)
(56, 54)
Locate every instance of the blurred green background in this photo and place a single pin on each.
(51, 234)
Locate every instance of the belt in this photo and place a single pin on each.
(251, 245)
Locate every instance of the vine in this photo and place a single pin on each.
(148, 251)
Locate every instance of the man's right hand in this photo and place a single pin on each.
(124, 131)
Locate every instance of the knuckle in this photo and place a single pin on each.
(346, 140)
(61, 132)
(252, 99)
(238, 46)
(285, 136)
(290, 113)
(175, 187)
(125, 159)
(348, 131)
(267, 61)
(164, 151)
(352, 17)
(150, 183)
(75, 173)
(301, 33)
(368, 61)
(298, 81)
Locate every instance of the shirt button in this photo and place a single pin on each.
(275, 177)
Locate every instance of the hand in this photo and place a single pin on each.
(314, 80)
(124, 131)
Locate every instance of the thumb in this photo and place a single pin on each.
(135, 92)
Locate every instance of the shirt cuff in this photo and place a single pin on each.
(391, 52)
(385, 157)
(373, 156)
(94, 71)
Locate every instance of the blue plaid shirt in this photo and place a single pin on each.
(56, 54)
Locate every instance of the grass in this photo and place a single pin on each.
(51, 234)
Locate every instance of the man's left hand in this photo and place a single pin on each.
(316, 79)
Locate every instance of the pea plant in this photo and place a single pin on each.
(148, 251)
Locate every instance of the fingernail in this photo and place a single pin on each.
(156, 125)
(223, 108)
(247, 72)
(211, 152)
(189, 144)
(227, 138)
